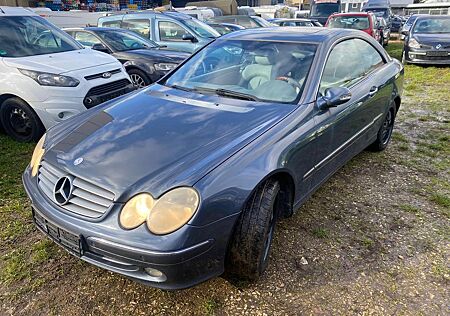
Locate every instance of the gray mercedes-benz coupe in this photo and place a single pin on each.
(176, 183)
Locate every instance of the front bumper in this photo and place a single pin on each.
(434, 57)
(186, 257)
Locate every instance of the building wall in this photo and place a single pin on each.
(15, 3)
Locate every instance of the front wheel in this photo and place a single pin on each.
(248, 254)
(385, 132)
(139, 78)
(19, 121)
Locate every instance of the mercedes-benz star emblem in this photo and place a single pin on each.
(438, 46)
(77, 161)
(62, 192)
(106, 75)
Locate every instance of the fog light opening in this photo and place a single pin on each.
(154, 273)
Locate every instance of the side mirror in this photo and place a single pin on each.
(189, 37)
(404, 32)
(101, 48)
(333, 97)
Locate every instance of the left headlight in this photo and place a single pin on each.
(413, 43)
(163, 216)
(165, 66)
(38, 153)
(51, 80)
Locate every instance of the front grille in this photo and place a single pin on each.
(106, 92)
(100, 75)
(425, 57)
(87, 199)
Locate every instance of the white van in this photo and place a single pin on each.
(201, 13)
(47, 76)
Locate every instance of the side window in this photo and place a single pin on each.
(348, 62)
(87, 39)
(111, 24)
(139, 26)
(169, 31)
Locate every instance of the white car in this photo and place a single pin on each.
(47, 77)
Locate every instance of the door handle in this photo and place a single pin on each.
(373, 91)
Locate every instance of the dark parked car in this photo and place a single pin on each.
(175, 183)
(407, 25)
(144, 60)
(293, 22)
(245, 21)
(225, 28)
(428, 41)
(397, 23)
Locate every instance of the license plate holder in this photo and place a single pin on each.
(433, 53)
(70, 242)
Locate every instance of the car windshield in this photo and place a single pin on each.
(350, 22)
(432, 26)
(249, 70)
(324, 9)
(411, 20)
(22, 36)
(200, 28)
(123, 41)
(383, 13)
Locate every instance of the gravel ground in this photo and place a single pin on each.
(374, 240)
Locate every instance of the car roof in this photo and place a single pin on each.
(293, 20)
(15, 11)
(434, 17)
(291, 34)
(172, 14)
(95, 28)
(352, 14)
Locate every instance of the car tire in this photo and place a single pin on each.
(139, 78)
(385, 132)
(19, 121)
(248, 253)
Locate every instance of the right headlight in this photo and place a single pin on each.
(413, 43)
(163, 216)
(51, 80)
(38, 153)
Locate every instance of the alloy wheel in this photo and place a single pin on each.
(137, 80)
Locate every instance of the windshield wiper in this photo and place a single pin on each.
(236, 94)
(174, 86)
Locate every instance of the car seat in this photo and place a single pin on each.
(260, 71)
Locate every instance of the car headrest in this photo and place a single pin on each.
(265, 57)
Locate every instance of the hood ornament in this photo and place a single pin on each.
(77, 161)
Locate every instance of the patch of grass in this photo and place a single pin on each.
(320, 233)
(15, 267)
(440, 199)
(403, 147)
(399, 137)
(367, 242)
(411, 209)
(210, 306)
(43, 251)
(395, 50)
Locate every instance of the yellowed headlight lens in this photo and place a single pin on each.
(38, 153)
(136, 210)
(173, 210)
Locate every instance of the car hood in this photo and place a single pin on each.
(433, 39)
(158, 139)
(60, 63)
(156, 55)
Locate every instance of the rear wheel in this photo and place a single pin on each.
(385, 132)
(19, 121)
(139, 78)
(248, 255)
